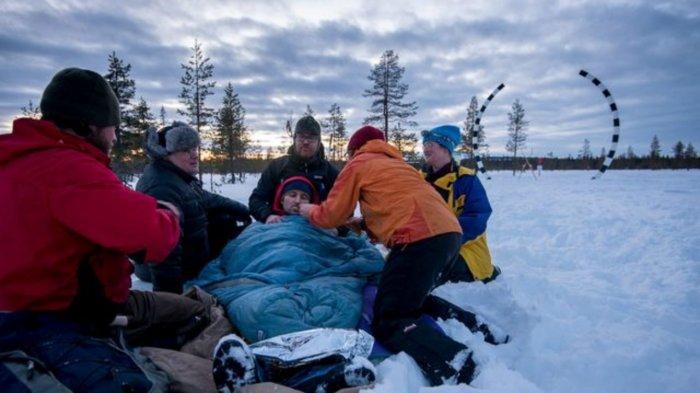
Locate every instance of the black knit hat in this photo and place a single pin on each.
(307, 124)
(80, 95)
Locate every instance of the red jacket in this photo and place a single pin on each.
(61, 205)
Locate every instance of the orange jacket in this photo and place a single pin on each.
(399, 207)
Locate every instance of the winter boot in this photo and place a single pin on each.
(234, 364)
(465, 366)
(435, 353)
(437, 307)
(496, 273)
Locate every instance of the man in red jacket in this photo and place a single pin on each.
(67, 227)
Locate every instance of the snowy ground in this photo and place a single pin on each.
(600, 286)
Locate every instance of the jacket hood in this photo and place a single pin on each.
(277, 204)
(30, 135)
(381, 147)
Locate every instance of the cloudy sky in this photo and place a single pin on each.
(284, 55)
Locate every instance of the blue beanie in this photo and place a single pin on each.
(299, 185)
(446, 136)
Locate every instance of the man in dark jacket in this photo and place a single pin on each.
(305, 158)
(208, 220)
(68, 224)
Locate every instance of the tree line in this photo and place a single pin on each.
(229, 148)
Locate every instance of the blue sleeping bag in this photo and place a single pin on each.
(291, 276)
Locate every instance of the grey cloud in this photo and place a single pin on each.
(648, 57)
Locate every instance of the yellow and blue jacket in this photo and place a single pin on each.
(466, 196)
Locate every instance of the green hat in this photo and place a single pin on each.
(80, 95)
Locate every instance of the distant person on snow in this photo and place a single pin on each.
(67, 226)
(466, 197)
(208, 220)
(406, 214)
(304, 158)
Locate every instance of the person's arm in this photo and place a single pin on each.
(476, 211)
(332, 176)
(216, 204)
(167, 276)
(341, 201)
(100, 208)
(261, 199)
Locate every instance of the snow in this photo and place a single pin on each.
(599, 291)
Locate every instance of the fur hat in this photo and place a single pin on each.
(363, 135)
(307, 124)
(171, 139)
(80, 96)
(447, 136)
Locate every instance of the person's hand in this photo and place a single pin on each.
(305, 209)
(170, 207)
(273, 219)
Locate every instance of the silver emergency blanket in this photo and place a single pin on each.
(312, 345)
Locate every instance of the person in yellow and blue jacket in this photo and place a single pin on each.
(466, 197)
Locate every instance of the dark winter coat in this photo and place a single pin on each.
(65, 216)
(164, 181)
(321, 173)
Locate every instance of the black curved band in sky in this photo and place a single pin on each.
(616, 121)
(475, 132)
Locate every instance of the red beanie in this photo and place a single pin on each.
(363, 135)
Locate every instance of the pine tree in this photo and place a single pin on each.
(468, 134)
(655, 148)
(119, 79)
(630, 153)
(31, 111)
(309, 111)
(132, 139)
(690, 151)
(231, 138)
(404, 141)
(585, 152)
(288, 129)
(517, 127)
(388, 93)
(162, 116)
(124, 87)
(336, 129)
(679, 150)
(143, 118)
(196, 86)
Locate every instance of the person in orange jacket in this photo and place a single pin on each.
(404, 212)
